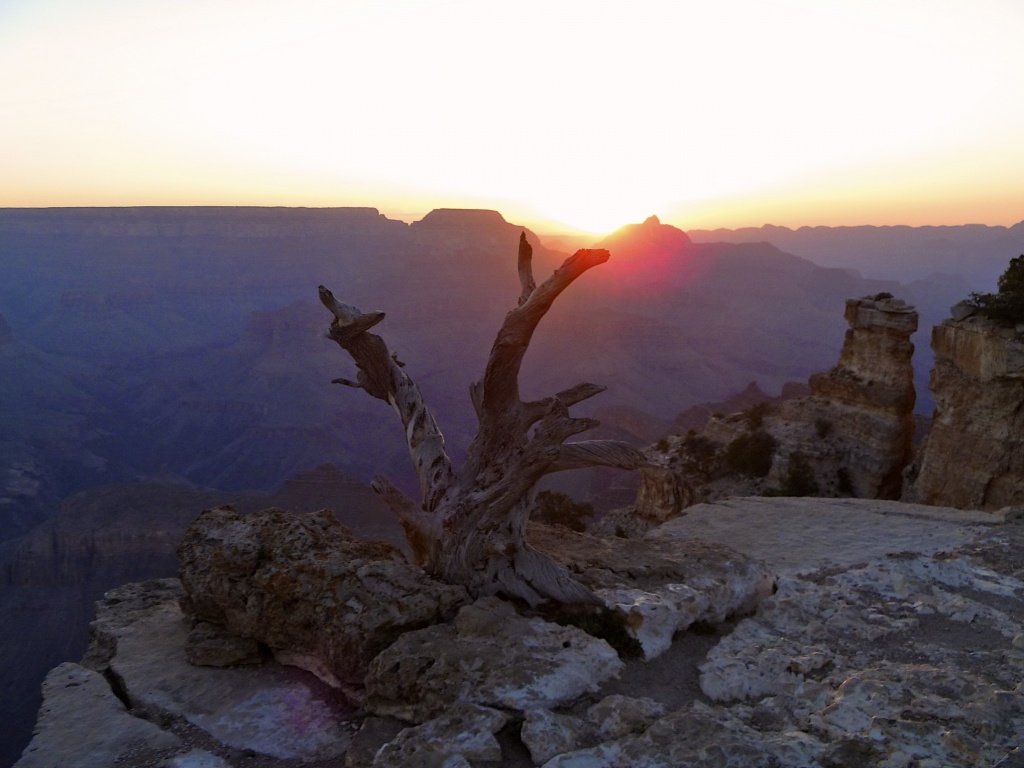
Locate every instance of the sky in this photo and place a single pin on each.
(564, 116)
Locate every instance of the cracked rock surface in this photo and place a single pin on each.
(895, 639)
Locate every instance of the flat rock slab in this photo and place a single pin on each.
(489, 656)
(274, 710)
(913, 657)
(661, 586)
(806, 534)
(82, 723)
(909, 660)
(696, 737)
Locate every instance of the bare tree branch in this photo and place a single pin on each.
(525, 269)
(535, 409)
(501, 377)
(382, 377)
(347, 318)
(347, 383)
(599, 453)
(476, 396)
(470, 528)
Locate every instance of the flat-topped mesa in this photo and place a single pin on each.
(974, 456)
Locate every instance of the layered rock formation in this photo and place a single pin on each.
(865, 404)
(974, 456)
(852, 436)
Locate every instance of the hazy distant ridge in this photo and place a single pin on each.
(979, 253)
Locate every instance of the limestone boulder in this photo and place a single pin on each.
(303, 585)
(617, 715)
(663, 495)
(489, 656)
(656, 585)
(210, 645)
(895, 638)
(911, 655)
(463, 732)
(548, 734)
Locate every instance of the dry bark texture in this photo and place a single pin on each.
(469, 524)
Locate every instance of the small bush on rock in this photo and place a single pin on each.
(754, 415)
(1007, 306)
(554, 508)
(751, 454)
(700, 454)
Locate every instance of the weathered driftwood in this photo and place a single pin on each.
(469, 526)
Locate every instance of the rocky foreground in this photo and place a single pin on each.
(895, 638)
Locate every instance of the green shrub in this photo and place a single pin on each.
(554, 508)
(754, 416)
(1007, 306)
(700, 454)
(751, 454)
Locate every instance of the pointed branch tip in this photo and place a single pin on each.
(347, 383)
(525, 269)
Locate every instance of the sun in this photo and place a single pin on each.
(596, 216)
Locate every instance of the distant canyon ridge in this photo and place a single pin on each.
(187, 343)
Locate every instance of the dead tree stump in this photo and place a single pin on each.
(469, 525)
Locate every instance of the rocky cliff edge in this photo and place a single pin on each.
(974, 455)
(896, 637)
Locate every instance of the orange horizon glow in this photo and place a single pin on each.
(709, 115)
(790, 213)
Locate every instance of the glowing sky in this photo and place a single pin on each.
(581, 114)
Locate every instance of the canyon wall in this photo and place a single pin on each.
(974, 456)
